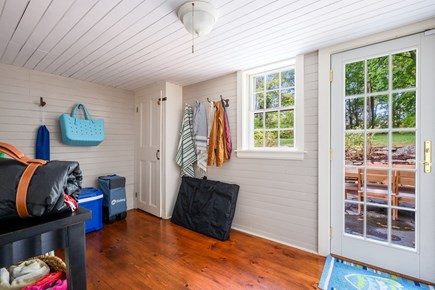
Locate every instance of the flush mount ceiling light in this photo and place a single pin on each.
(198, 18)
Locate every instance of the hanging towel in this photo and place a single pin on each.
(200, 136)
(228, 142)
(210, 120)
(217, 147)
(186, 156)
(43, 144)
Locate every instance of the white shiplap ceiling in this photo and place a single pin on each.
(132, 43)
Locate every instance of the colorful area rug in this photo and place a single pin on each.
(342, 275)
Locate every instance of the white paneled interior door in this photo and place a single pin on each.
(382, 192)
(149, 150)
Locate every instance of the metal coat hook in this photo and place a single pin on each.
(41, 102)
(226, 104)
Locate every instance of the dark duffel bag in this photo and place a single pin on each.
(33, 187)
(206, 206)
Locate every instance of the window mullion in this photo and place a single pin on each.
(264, 107)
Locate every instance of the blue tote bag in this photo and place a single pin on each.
(81, 132)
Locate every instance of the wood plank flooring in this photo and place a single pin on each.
(145, 252)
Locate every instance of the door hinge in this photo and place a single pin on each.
(330, 154)
(330, 233)
(137, 109)
(136, 194)
(161, 100)
(331, 75)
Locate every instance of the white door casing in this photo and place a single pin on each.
(385, 254)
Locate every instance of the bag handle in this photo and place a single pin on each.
(26, 177)
(86, 113)
(76, 109)
(19, 156)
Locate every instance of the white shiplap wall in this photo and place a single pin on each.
(277, 198)
(20, 117)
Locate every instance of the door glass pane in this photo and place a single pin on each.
(377, 223)
(404, 109)
(404, 70)
(380, 148)
(377, 149)
(403, 149)
(376, 186)
(377, 74)
(351, 184)
(403, 228)
(377, 112)
(404, 190)
(354, 110)
(353, 221)
(354, 148)
(354, 78)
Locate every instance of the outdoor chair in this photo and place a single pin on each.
(404, 189)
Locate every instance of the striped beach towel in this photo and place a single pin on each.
(186, 156)
(200, 136)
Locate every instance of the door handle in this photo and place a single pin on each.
(427, 163)
(158, 154)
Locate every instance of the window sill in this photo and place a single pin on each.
(271, 154)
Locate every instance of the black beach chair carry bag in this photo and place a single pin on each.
(206, 206)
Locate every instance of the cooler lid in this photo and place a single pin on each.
(89, 192)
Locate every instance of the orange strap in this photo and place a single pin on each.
(26, 177)
(19, 156)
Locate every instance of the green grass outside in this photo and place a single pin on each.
(287, 142)
(399, 139)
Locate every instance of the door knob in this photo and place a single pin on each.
(158, 154)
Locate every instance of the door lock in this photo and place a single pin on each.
(427, 163)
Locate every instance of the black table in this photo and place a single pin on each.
(25, 238)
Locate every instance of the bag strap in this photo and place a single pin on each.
(76, 109)
(86, 112)
(26, 177)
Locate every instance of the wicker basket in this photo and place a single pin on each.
(55, 263)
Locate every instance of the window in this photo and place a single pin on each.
(270, 117)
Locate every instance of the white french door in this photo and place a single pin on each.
(382, 126)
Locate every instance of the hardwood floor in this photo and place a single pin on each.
(144, 252)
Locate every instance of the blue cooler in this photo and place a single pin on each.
(92, 198)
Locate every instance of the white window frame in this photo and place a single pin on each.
(244, 120)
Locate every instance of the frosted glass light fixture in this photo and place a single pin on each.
(198, 18)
